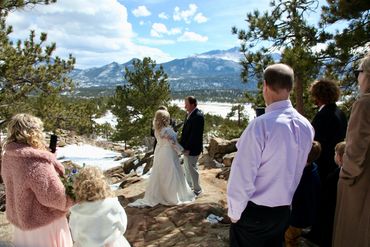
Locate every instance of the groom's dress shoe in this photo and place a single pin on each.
(197, 193)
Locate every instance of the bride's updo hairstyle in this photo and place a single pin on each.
(27, 129)
(161, 119)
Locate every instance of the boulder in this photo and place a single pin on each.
(149, 164)
(2, 197)
(227, 160)
(206, 160)
(115, 175)
(6, 231)
(130, 164)
(224, 174)
(218, 146)
(134, 162)
(128, 153)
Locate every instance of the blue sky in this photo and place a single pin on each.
(98, 32)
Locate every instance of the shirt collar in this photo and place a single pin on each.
(279, 105)
(322, 106)
(190, 113)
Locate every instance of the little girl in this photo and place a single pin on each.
(98, 220)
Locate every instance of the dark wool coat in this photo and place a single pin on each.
(330, 125)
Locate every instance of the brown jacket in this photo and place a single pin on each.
(352, 216)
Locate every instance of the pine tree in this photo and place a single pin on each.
(64, 112)
(350, 44)
(28, 68)
(284, 28)
(135, 103)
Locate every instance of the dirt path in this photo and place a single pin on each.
(178, 225)
(168, 226)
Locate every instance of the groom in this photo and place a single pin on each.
(192, 142)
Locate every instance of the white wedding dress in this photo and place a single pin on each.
(167, 184)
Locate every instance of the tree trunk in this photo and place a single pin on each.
(299, 95)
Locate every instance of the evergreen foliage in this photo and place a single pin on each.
(216, 126)
(135, 103)
(28, 68)
(69, 113)
(346, 47)
(284, 28)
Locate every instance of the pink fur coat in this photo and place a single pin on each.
(35, 196)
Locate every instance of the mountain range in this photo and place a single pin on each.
(216, 69)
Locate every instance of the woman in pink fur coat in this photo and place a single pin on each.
(36, 203)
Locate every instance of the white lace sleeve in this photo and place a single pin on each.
(169, 134)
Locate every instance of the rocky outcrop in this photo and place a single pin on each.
(227, 159)
(220, 153)
(178, 225)
(2, 197)
(218, 147)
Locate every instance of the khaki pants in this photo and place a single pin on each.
(191, 172)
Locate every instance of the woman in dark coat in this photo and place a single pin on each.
(330, 123)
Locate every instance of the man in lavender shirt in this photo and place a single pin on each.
(272, 153)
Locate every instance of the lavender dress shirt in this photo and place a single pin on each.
(272, 153)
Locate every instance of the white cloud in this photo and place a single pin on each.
(175, 30)
(141, 11)
(95, 32)
(141, 23)
(163, 15)
(185, 15)
(200, 18)
(191, 36)
(156, 41)
(159, 29)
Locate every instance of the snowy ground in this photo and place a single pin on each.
(213, 108)
(89, 155)
(217, 108)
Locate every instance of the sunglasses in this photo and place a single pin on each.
(357, 72)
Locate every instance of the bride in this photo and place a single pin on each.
(167, 184)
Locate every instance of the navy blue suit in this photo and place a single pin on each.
(192, 133)
(192, 140)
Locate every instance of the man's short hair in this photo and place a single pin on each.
(192, 100)
(279, 76)
(162, 107)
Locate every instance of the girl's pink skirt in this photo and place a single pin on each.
(56, 234)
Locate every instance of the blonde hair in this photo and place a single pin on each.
(25, 128)
(365, 64)
(161, 119)
(340, 147)
(90, 185)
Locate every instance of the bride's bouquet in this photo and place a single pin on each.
(68, 178)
